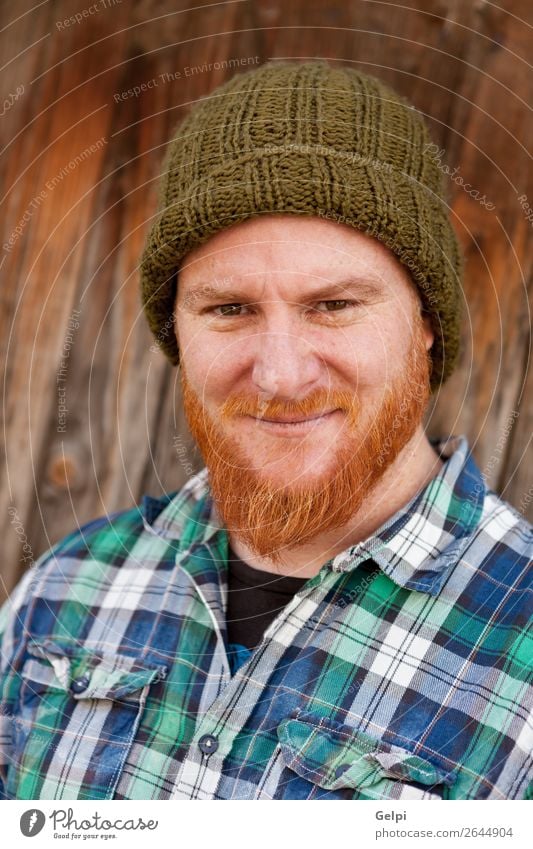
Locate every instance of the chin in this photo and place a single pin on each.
(292, 473)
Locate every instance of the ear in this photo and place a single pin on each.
(429, 335)
(175, 310)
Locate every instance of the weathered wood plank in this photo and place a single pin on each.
(70, 297)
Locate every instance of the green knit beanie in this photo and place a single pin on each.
(307, 138)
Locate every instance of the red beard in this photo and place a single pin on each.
(269, 517)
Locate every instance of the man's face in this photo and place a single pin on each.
(298, 318)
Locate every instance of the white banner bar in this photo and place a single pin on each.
(309, 824)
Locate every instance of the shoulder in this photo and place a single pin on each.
(494, 567)
(103, 538)
(86, 571)
(505, 532)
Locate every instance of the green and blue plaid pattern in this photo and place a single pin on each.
(402, 670)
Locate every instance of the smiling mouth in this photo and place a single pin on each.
(293, 420)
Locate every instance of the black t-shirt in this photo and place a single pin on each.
(255, 598)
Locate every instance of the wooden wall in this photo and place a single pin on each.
(80, 163)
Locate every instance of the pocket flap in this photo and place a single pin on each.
(89, 674)
(334, 756)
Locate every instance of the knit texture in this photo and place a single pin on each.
(307, 138)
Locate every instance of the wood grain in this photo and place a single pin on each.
(79, 169)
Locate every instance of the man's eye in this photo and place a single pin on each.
(228, 309)
(334, 306)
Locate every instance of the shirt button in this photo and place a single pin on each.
(208, 744)
(341, 769)
(79, 684)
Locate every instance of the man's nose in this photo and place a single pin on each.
(285, 365)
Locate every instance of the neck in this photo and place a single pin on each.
(415, 466)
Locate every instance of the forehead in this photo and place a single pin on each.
(302, 251)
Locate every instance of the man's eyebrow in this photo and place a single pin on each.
(363, 287)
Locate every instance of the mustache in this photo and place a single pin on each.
(319, 402)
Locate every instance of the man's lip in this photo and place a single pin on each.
(293, 419)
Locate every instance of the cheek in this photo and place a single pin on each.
(373, 361)
(212, 366)
(366, 353)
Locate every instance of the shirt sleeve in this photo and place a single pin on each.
(11, 615)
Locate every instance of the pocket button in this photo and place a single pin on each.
(341, 769)
(78, 685)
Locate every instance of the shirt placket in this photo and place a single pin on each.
(201, 770)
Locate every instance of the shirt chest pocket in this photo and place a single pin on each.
(77, 715)
(338, 761)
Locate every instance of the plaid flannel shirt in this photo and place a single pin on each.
(402, 670)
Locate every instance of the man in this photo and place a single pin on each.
(335, 607)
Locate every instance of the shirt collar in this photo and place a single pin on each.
(416, 547)
(186, 515)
